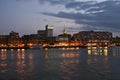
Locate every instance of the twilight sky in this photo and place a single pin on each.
(28, 16)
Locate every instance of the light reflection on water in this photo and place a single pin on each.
(98, 51)
(104, 51)
(90, 63)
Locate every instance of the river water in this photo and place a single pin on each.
(60, 64)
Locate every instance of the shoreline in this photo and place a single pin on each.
(50, 47)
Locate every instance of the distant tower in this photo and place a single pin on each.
(49, 30)
(64, 31)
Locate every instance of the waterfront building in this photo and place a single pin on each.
(30, 40)
(11, 41)
(13, 34)
(94, 38)
(41, 36)
(116, 41)
(14, 40)
(41, 33)
(3, 40)
(63, 39)
(49, 30)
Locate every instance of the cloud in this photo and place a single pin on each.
(92, 14)
(23, 0)
(56, 2)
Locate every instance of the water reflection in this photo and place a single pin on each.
(70, 55)
(3, 54)
(3, 62)
(69, 69)
(61, 55)
(63, 64)
(114, 51)
(99, 66)
(21, 62)
(15, 62)
(98, 51)
(105, 65)
(82, 64)
(105, 51)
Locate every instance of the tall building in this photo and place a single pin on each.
(49, 30)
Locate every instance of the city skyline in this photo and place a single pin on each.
(28, 16)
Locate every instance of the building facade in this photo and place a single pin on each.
(63, 39)
(94, 38)
(11, 41)
(116, 41)
(14, 40)
(41, 33)
(3, 40)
